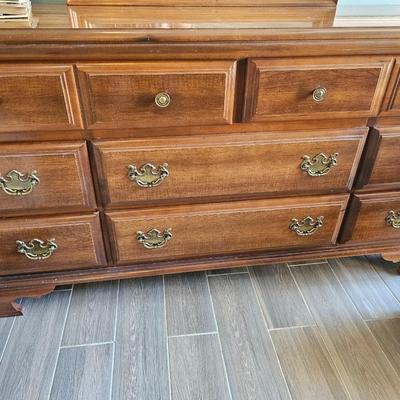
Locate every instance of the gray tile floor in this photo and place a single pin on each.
(314, 331)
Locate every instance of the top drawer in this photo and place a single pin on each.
(34, 97)
(157, 94)
(310, 88)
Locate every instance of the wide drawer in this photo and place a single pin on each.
(34, 97)
(218, 229)
(204, 167)
(315, 87)
(45, 176)
(50, 244)
(374, 217)
(156, 94)
(380, 168)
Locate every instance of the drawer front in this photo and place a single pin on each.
(391, 105)
(315, 87)
(34, 97)
(157, 94)
(67, 242)
(45, 176)
(376, 216)
(145, 171)
(386, 170)
(213, 229)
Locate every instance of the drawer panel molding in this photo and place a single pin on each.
(224, 228)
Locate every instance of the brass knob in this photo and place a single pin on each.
(162, 99)
(18, 184)
(318, 165)
(319, 94)
(307, 226)
(148, 175)
(154, 239)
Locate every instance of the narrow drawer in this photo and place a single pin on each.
(157, 94)
(309, 88)
(204, 167)
(34, 97)
(45, 176)
(380, 168)
(373, 217)
(50, 244)
(225, 228)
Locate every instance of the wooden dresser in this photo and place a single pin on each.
(193, 140)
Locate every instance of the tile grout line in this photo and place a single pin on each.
(166, 338)
(269, 335)
(292, 327)
(366, 325)
(73, 346)
(115, 339)
(229, 273)
(219, 338)
(61, 338)
(381, 319)
(332, 361)
(192, 334)
(310, 263)
(9, 334)
(301, 293)
(380, 276)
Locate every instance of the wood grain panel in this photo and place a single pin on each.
(78, 238)
(278, 89)
(188, 302)
(140, 366)
(245, 341)
(386, 168)
(387, 334)
(279, 297)
(197, 369)
(368, 292)
(214, 229)
(91, 315)
(83, 373)
(63, 170)
(206, 2)
(227, 165)
(391, 105)
(30, 358)
(371, 222)
(307, 366)
(121, 95)
(346, 336)
(34, 97)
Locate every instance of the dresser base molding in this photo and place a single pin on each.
(8, 297)
(36, 285)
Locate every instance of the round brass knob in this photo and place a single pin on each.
(319, 94)
(162, 99)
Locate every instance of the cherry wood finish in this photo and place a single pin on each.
(227, 166)
(34, 97)
(284, 88)
(216, 229)
(238, 124)
(385, 170)
(123, 95)
(78, 238)
(64, 173)
(370, 211)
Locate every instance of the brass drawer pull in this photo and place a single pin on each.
(319, 165)
(393, 219)
(17, 184)
(162, 99)
(148, 175)
(319, 94)
(306, 227)
(154, 239)
(36, 249)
